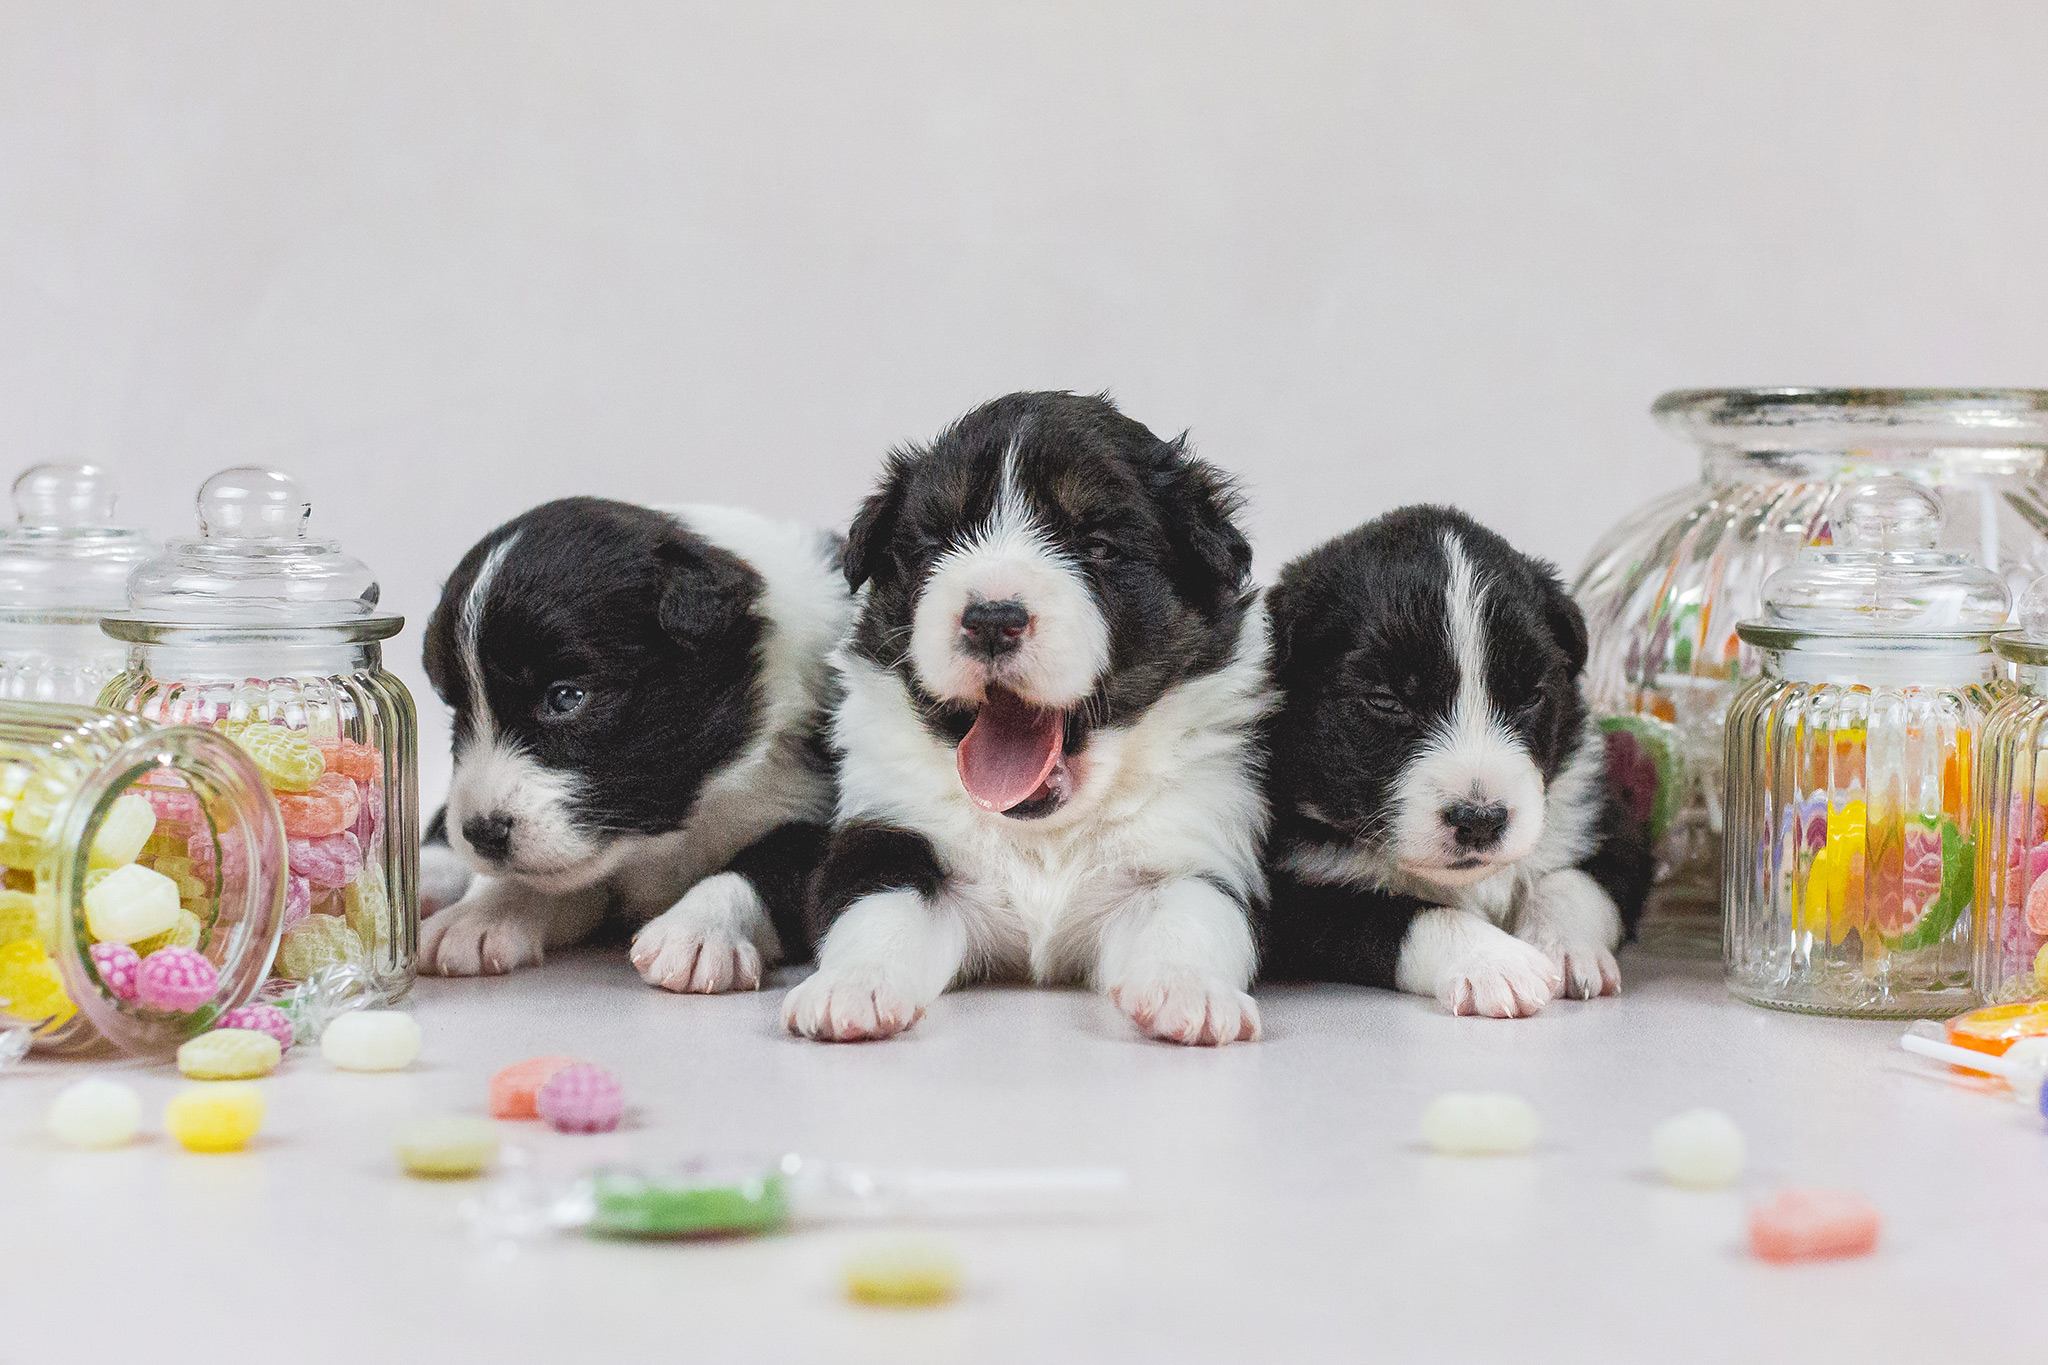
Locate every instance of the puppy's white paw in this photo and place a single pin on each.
(1503, 979)
(1572, 922)
(444, 878)
(486, 934)
(1181, 1009)
(1589, 970)
(834, 1005)
(705, 943)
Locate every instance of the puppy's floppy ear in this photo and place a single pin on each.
(874, 526)
(1563, 616)
(1200, 505)
(707, 593)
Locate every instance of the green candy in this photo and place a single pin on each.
(1958, 885)
(713, 1204)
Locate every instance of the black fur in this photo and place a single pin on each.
(867, 856)
(780, 864)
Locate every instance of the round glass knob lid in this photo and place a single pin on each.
(1887, 516)
(249, 502)
(2033, 611)
(64, 496)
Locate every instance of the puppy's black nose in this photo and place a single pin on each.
(489, 835)
(1475, 826)
(993, 629)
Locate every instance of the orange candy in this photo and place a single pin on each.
(1813, 1225)
(1997, 1028)
(353, 760)
(330, 808)
(514, 1088)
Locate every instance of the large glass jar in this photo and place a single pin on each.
(2011, 936)
(1850, 857)
(1663, 591)
(126, 849)
(272, 638)
(63, 565)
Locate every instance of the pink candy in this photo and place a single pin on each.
(298, 901)
(172, 807)
(117, 964)
(263, 1019)
(175, 979)
(581, 1099)
(365, 827)
(2037, 906)
(327, 862)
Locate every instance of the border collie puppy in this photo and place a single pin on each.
(1049, 759)
(639, 697)
(1442, 821)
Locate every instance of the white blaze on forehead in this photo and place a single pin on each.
(469, 622)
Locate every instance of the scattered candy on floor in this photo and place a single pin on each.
(229, 1054)
(581, 1099)
(513, 1089)
(1813, 1225)
(217, 1117)
(1700, 1148)
(263, 1018)
(95, 1114)
(448, 1147)
(902, 1273)
(372, 1040)
(1468, 1124)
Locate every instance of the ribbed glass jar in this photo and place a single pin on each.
(2011, 936)
(63, 565)
(119, 836)
(1663, 590)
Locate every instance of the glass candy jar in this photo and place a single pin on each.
(273, 639)
(1850, 859)
(144, 878)
(2011, 940)
(63, 565)
(1663, 591)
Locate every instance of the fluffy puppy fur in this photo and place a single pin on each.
(1442, 821)
(1049, 759)
(638, 699)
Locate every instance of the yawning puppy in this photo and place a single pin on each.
(1441, 819)
(639, 697)
(1049, 766)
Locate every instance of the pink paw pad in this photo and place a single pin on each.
(262, 1019)
(117, 965)
(581, 1099)
(175, 979)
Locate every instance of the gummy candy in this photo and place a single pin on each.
(175, 979)
(1813, 1225)
(287, 759)
(330, 807)
(131, 903)
(229, 1054)
(215, 1118)
(264, 1019)
(447, 1148)
(902, 1272)
(372, 1040)
(1460, 1124)
(117, 964)
(315, 943)
(581, 1099)
(326, 862)
(125, 829)
(514, 1087)
(1701, 1148)
(19, 918)
(30, 989)
(95, 1114)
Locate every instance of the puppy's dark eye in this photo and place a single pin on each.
(1384, 705)
(1102, 547)
(562, 699)
(1531, 704)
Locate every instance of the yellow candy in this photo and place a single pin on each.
(30, 989)
(127, 827)
(317, 942)
(288, 760)
(19, 916)
(131, 904)
(215, 1118)
(368, 910)
(447, 1148)
(2041, 966)
(21, 851)
(229, 1054)
(902, 1273)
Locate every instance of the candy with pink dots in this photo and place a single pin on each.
(175, 979)
(260, 1019)
(581, 1099)
(117, 964)
(327, 862)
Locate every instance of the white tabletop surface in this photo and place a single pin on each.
(1283, 1209)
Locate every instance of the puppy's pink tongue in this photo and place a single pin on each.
(1011, 750)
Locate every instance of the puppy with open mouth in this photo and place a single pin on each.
(639, 697)
(1049, 758)
(1441, 817)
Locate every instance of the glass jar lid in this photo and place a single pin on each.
(2029, 644)
(1799, 420)
(66, 559)
(1882, 577)
(253, 565)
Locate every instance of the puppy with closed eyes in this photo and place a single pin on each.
(1049, 756)
(1441, 817)
(638, 698)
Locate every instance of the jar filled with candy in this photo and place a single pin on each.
(272, 638)
(2012, 859)
(144, 878)
(1851, 850)
(63, 565)
(1663, 590)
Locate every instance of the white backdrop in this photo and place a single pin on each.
(448, 260)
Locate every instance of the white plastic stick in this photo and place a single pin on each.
(1959, 1056)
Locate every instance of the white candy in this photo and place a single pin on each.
(1460, 1124)
(129, 823)
(130, 904)
(95, 1114)
(371, 1040)
(1701, 1148)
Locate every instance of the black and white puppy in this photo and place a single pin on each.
(1441, 817)
(638, 697)
(1049, 759)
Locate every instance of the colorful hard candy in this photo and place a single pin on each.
(1996, 1028)
(184, 933)
(298, 901)
(131, 903)
(175, 979)
(370, 816)
(19, 916)
(1701, 1149)
(262, 1018)
(371, 1040)
(328, 862)
(125, 829)
(352, 760)
(30, 989)
(288, 760)
(1813, 1225)
(513, 1089)
(329, 807)
(368, 910)
(2037, 906)
(581, 1099)
(448, 1147)
(317, 943)
(215, 1118)
(117, 964)
(229, 1054)
(1479, 1125)
(902, 1272)
(174, 807)
(2041, 966)
(95, 1114)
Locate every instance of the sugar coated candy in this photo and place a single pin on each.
(449, 1147)
(371, 1040)
(1813, 1225)
(95, 1114)
(1469, 1124)
(19, 916)
(117, 964)
(229, 1054)
(288, 760)
(902, 1272)
(2041, 966)
(368, 910)
(175, 979)
(1701, 1149)
(185, 932)
(215, 1118)
(30, 989)
(316, 943)
(298, 901)
(131, 903)
(581, 1099)
(327, 862)
(329, 808)
(352, 760)
(264, 1019)
(513, 1089)
(126, 828)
